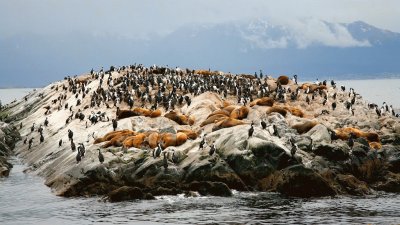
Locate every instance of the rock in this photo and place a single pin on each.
(352, 185)
(210, 188)
(396, 129)
(319, 134)
(298, 181)
(331, 151)
(262, 148)
(304, 142)
(391, 184)
(393, 139)
(165, 191)
(125, 193)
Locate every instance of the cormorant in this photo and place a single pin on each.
(263, 124)
(212, 149)
(351, 141)
(165, 161)
(158, 151)
(60, 143)
(202, 142)
(101, 157)
(115, 124)
(41, 138)
(251, 130)
(70, 134)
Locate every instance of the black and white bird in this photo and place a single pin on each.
(60, 143)
(333, 105)
(70, 134)
(41, 138)
(212, 149)
(46, 122)
(202, 142)
(78, 157)
(350, 142)
(158, 151)
(294, 148)
(251, 130)
(30, 142)
(73, 147)
(165, 161)
(81, 149)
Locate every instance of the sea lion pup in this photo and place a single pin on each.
(112, 134)
(265, 101)
(283, 80)
(304, 126)
(213, 119)
(118, 140)
(228, 122)
(134, 141)
(344, 133)
(239, 113)
(294, 111)
(277, 109)
(181, 119)
(189, 133)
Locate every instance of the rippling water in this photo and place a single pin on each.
(24, 199)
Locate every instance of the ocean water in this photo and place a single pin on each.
(24, 199)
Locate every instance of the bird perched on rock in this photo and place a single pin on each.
(30, 142)
(70, 134)
(33, 127)
(203, 142)
(60, 143)
(81, 149)
(333, 135)
(175, 158)
(263, 124)
(41, 138)
(350, 142)
(101, 157)
(115, 124)
(294, 148)
(165, 161)
(212, 149)
(73, 147)
(333, 105)
(251, 130)
(46, 122)
(78, 157)
(158, 151)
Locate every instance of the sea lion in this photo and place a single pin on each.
(344, 133)
(213, 119)
(189, 133)
(152, 139)
(179, 118)
(265, 101)
(283, 80)
(219, 111)
(112, 134)
(134, 141)
(155, 113)
(239, 113)
(228, 122)
(294, 111)
(304, 126)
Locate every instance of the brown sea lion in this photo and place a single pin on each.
(112, 134)
(265, 101)
(294, 111)
(155, 113)
(213, 119)
(134, 141)
(344, 134)
(239, 113)
(283, 80)
(277, 109)
(220, 111)
(189, 133)
(304, 126)
(228, 122)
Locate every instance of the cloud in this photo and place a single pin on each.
(300, 34)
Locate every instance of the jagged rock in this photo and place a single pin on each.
(331, 151)
(393, 139)
(299, 181)
(319, 134)
(210, 188)
(391, 184)
(125, 193)
(352, 185)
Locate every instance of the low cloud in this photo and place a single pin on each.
(300, 34)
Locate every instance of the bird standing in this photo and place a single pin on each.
(212, 149)
(101, 157)
(115, 124)
(251, 130)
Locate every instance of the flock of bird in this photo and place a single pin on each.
(162, 87)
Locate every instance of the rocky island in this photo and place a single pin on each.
(135, 132)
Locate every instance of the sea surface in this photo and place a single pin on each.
(24, 199)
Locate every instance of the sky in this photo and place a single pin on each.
(27, 20)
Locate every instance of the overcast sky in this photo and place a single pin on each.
(131, 18)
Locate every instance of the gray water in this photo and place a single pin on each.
(10, 94)
(24, 199)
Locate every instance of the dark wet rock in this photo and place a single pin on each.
(165, 191)
(393, 139)
(351, 185)
(331, 151)
(214, 169)
(125, 193)
(391, 184)
(210, 188)
(299, 181)
(9, 135)
(304, 142)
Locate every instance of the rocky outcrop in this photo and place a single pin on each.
(296, 154)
